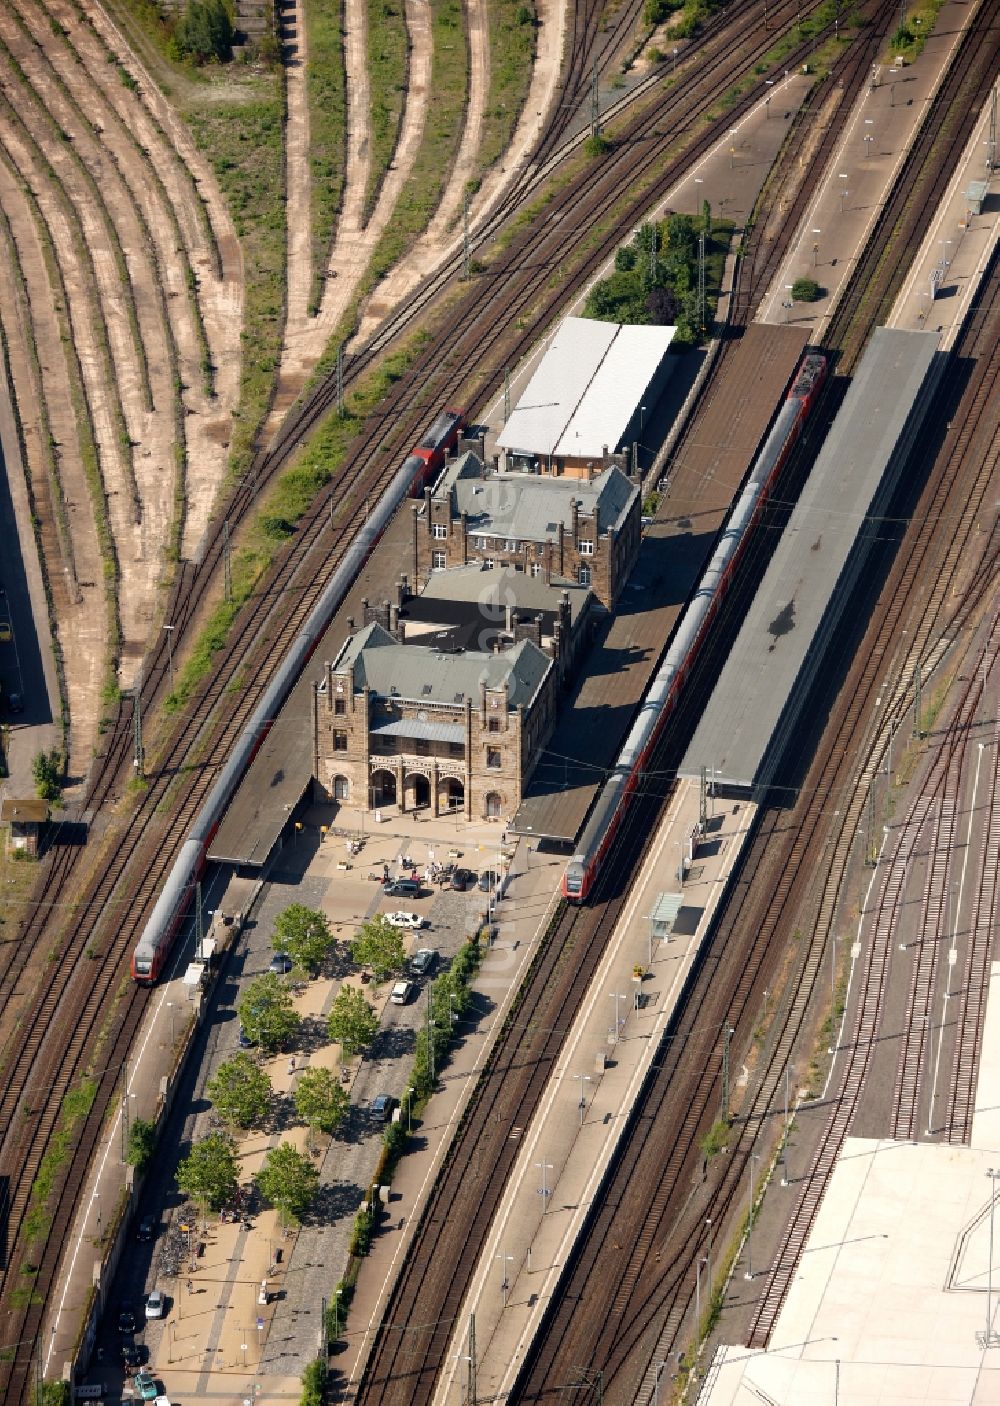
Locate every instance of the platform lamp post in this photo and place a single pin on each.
(769, 83)
(844, 193)
(584, 1079)
(544, 1191)
(816, 235)
(790, 302)
(505, 1260)
(673, 54)
(170, 1008)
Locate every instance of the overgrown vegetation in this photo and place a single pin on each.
(694, 13)
(204, 32)
(512, 27)
(911, 36)
(656, 277)
(326, 98)
(243, 139)
(47, 773)
(75, 1106)
(806, 290)
(387, 72)
(314, 1384)
(141, 1144)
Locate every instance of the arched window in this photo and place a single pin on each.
(494, 805)
(583, 575)
(341, 788)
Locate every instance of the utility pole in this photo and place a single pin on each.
(727, 1035)
(506, 394)
(703, 801)
(170, 655)
(198, 928)
(137, 755)
(595, 111)
(465, 237)
(340, 381)
(124, 1112)
(430, 1038)
(916, 703)
(870, 850)
(991, 144)
(227, 563)
(701, 281)
(473, 1395)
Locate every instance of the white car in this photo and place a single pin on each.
(155, 1305)
(413, 921)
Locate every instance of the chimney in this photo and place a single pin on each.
(510, 618)
(574, 518)
(394, 622)
(350, 624)
(597, 524)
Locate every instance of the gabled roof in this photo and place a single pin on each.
(417, 674)
(529, 508)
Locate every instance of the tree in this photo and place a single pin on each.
(379, 945)
(304, 934)
(208, 1173)
(46, 769)
(288, 1180)
(240, 1091)
(141, 1144)
(205, 31)
(266, 1013)
(351, 1021)
(321, 1100)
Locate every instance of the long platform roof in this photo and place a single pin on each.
(763, 679)
(586, 390)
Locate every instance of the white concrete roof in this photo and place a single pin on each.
(586, 389)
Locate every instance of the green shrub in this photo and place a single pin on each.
(313, 1383)
(205, 31)
(806, 290)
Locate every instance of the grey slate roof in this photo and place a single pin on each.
(528, 507)
(425, 675)
(494, 587)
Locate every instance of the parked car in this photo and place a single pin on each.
(126, 1319)
(422, 963)
(243, 1040)
(146, 1229)
(146, 1385)
(5, 632)
(155, 1306)
(403, 888)
(281, 963)
(131, 1356)
(382, 1106)
(413, 921)
(401, 993)
(462, 879)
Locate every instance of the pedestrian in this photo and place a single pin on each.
(190, 1286)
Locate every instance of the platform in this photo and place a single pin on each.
(701, 483)
(767, 675)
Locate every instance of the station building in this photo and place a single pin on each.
(583, 530)
(587, 402)
(408, 726)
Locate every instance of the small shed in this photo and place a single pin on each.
(25, 819)
(664, 914)
(975, 194)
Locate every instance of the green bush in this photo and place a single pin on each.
(46, 769)
(806, 290)
(313, 1383)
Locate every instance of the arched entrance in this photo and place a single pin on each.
(383, 789)
(494, 805)
(451, 793)
(341, 788)
(418, 791)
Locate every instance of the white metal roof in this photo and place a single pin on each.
(616, 391)
(558, 385)
(586, 389)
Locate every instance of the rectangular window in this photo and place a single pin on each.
(489, 563)
(421, 746)
(439, 531)
(340, 741)
(536, 569)
(494, 725)
(438, 561)
(456, 749)
(494, 761)
(586, 549)
(340, 706)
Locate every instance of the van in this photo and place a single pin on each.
(403, 888)
(401, 993)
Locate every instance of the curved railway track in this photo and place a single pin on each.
(80, 999)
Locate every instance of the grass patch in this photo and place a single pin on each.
(282, 506)
(240, 128)
(75, 1107)
(326, 98)
(911, 36)
(512, 29)
(388, 62)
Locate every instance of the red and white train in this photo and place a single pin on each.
(664, 691)
(158, 936)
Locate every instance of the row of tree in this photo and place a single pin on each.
(210, 1176)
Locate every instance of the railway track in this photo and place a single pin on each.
(661, 1218)
(514, 290)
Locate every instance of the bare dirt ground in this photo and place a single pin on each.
(133, 271)
(306, 338)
